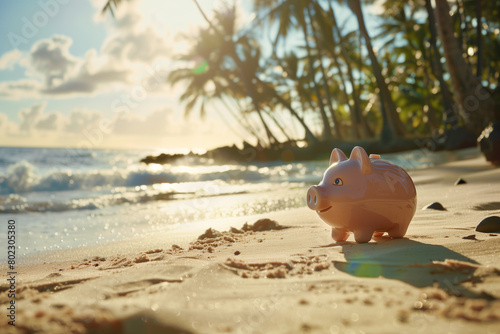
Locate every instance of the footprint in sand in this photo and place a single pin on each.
(299, 265)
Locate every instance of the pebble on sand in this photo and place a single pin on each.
(434, 206)
(460, 181)
(489, 225)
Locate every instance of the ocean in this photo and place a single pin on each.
(63, 198)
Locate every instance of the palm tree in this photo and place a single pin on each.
(450, 118)
(292, 14)
(475, 103)
(313, 20)
(408, 66)
(332, 36)
(252, 81)
(392, 125)
(206, 81)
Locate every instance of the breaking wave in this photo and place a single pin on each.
(23, 177)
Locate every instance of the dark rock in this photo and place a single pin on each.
(470, 237)
(434, 206)
(489, 225)
(289, 151)
(489, 142)
(460, 181)
(237, 252)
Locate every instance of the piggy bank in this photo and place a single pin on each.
(364, 195)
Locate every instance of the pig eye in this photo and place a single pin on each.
(338, 182)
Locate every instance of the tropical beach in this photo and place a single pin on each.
(250, 166)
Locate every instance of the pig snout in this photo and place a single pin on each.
(315, 200)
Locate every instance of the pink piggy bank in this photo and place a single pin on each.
(364, 195)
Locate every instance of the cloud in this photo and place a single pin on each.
(24, 88)
(89, 76)
(81, 119)
(9, 59)
(52, 71)
(136, 46)
(35, 119)
(38, 126)
(159, 121)
(49, 122)
(51, 59)
(6, 126)
(30, 116)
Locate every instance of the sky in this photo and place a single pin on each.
(72, 77)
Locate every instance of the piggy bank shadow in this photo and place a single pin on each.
(409, 261)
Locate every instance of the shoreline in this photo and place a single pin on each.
(293, 280)
(290, 151)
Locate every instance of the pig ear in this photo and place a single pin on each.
(337, 155)
(358, 153)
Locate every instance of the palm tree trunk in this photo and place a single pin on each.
(309, 135)
(475, 103)
(327, 129)
(392, 125)
(271, 116)
(242, 120)
(479, 37)
(449, 115)
(362, 128)
(335, 120)
(365, 129)
(460, 17)
(432, 121)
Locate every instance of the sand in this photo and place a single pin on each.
(282, 274)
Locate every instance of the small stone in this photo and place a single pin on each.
(235, 230)
(489, 225)
(434, 206)
(470, 237)
(264, 224)
(237, 252)
(58, 306)
(210, 233)
(460, 181)
(53, 275)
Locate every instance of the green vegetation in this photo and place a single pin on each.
(297, 73)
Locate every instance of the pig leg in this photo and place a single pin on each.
(339, 234)
(398, 232)
(363, 235)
